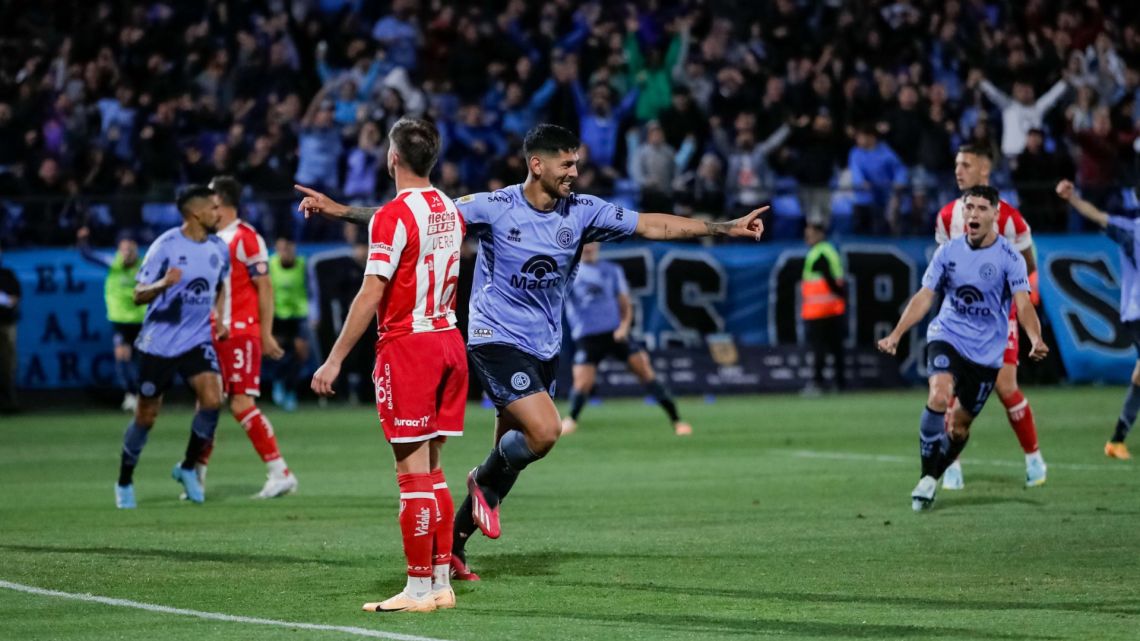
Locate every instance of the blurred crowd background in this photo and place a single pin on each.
(846, 113)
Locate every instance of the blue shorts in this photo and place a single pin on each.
(508, 373)
(156, 373)
(973, 383)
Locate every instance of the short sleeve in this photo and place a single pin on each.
(936, 271)
(475, 208)
(387, 237)
(606, 221)
(1017, 276)
(253, 254)
(1121, 230)
(154, 264)
(942, 223)
(1016, 229)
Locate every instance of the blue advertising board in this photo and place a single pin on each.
(681, 293)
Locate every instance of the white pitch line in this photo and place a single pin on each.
(888, 458)
(212, 616)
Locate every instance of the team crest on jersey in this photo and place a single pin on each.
(565, 238)
(520, 381)
(988, 271)
(213, 260)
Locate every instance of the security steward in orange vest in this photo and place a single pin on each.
(823, 306)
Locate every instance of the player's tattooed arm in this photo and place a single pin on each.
(670, 227)
(359, 215)
(315, 202)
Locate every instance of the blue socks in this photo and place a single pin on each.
(516, 452)
(127, 374)
(577, 400)
(134, 440)
(202, 430)
(661, 394)
(501, 468)
(932, 440)
(1127, 414)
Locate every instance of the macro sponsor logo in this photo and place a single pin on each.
(197, 292)
(965, 301)
(497, 198)
(538, 272)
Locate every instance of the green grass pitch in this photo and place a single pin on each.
(781, 518)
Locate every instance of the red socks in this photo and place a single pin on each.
(444, 518)
(260, 433)
(1021, 420)
(417, 521)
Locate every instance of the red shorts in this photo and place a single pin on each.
(240, 358)
(1011, 340)
(421, 386)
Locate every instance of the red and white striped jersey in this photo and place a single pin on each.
(415, 242)
(249, 259)
(951, 223)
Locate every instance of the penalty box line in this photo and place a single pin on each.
(889, 458)
(211, 616)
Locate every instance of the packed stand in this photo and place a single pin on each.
(845, 113)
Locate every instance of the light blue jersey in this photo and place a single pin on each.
(592, 303)
(1123, 231)
(527, 260)
(179, 319)
(977, 286)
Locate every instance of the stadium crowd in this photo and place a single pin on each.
(702, 107)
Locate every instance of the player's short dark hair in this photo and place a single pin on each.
(549, 139)
(980, 151)
(983, 191)
(417, 143)
(228, 190)
(190, 193)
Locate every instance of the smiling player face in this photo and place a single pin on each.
(556, 172)
(980, 214)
